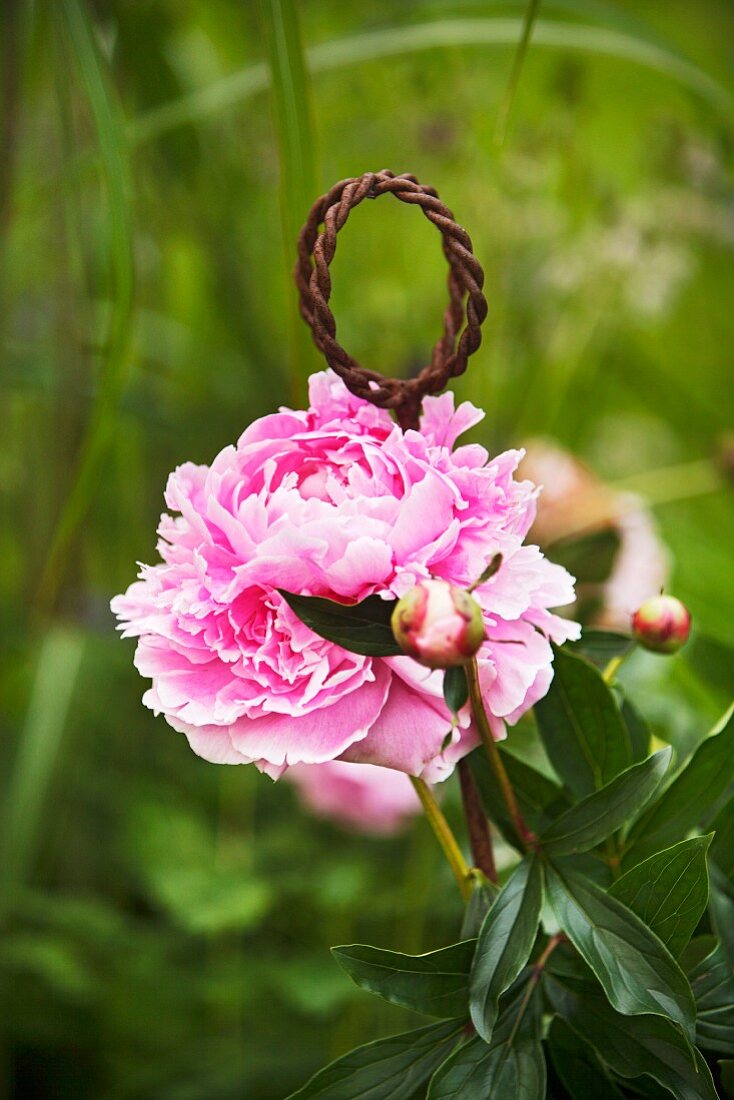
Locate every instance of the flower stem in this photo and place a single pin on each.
(613, 856)
(479, 834)
(480, 717)
(537, 974)
(613, 667)
(444, 836)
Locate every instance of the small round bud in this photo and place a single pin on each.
(662, 624)
(438, 624)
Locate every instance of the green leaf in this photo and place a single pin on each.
(712, 983)
(505, 941)
(455, 688)
(511, 1067)
(722, 846)
(721, 909)
(436, 983)
(637, 728)
(600, 646)
(648, 1045)
(493, 566)
(589, 558)
(483, 896)
(387, 1068)
(647, 1089)
(360, 627)
(637, 972)
(669, 891)
(581, 727)
(684, 802)
(726, 1070)
(539, 798)
(598, 815)
(578, 1066)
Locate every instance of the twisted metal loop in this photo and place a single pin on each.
(465, 280)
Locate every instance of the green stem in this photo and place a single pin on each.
(493, 754)
(444, 836)
(503, 117)
(610, 672)
(295, 131)
(613, 857)
(537, 974)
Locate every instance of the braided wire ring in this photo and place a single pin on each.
(465, 279)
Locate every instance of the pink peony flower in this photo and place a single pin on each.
(573, 503)
(360, 796)
(336, 501)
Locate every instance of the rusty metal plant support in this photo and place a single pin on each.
(316, 250)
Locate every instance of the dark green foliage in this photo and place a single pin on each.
(633, 1047)
(436, 984)
(483, 897)
(712, 982)
(722, 847)
(455, 688)
(601, 646)
(637, 728)
(540, 799)
(669, 891)
(383, 1069)
(362, 628)
(578, 1066)
(165, 923)
(505, 941)
(692, 793)
(637, 973)
(598, 815)
(589, 558)
(582, 730)
(721, 909)
(511, 1065)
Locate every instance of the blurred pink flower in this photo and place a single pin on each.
(574, 502)
(336, 501)
(360, 796)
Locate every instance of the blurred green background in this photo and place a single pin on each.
(165, 923)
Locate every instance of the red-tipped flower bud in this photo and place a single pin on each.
(438, 624)
(662, 624)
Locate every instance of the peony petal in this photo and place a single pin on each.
(407, 734)
(318, 735)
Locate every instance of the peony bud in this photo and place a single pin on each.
(438, 624)
(662, 624)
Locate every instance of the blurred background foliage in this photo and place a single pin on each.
(165, 922)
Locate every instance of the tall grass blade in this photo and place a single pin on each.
(236, 88)
(417, 37)
(114, 162)
(59, 660)
(291, 97)
(503, 116)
